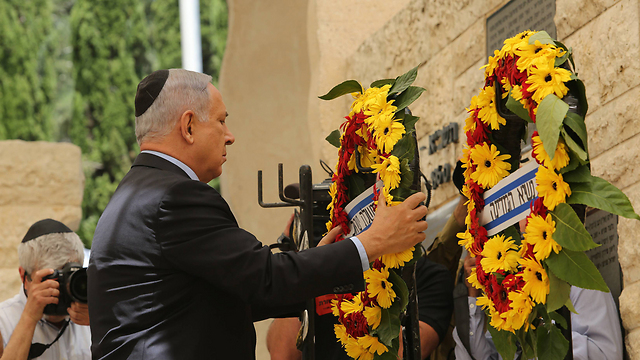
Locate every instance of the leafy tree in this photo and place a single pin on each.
(27, 72)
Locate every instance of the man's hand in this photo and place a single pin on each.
(79, 313)
(469, 264)
(41, 293)
(396, 228)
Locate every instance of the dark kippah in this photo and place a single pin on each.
(44, 227)
(149, 89)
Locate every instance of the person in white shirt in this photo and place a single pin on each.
(26, 332)
(595, 329)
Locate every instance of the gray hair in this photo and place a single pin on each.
(50, 251)
(184, 90)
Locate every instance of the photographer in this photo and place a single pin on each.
(27, 329)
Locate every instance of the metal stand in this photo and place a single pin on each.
(306, 214)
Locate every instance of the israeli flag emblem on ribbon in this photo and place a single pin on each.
(361, 210)
(509, 201)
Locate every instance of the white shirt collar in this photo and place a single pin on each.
(175, 162)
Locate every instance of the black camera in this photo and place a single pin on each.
(73, 287)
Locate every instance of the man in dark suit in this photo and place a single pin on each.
(171, 275)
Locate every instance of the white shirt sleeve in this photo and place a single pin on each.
(596, 332)
(364, 258)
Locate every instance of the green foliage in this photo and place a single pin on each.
(542, 36)
(599, 193)
(72, 67)
(346, 87)
(551, 113)
(27, 69)
(334, 138)
(504, 341)
(558, 292)
(570, 232)
(403, 81)
(517, 108)
(551, 343)
(407, 97)
(577, 269)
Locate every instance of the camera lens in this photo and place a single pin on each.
(78, 285)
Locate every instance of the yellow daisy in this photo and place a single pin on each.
(485, 303)
(389, 171)
(473, 280)
(341, 333)
(466, 239)
(515, 43)
(397, 260)
(548, 79)
(536, 280)
(488, 113)
(372, 344)
(353, 305)
(492, 64)
(499, 254)
(387, 133)
(380, 287)
(560, 158)
(536, 55)
(370, 96)
(380, 111)
(335, 307)
(551, 187)
(368, 157)
(539, 233)
(491, 166)
(373, 315)
(357, 351)
(521, 306)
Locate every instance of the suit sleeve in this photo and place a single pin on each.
(199, 235)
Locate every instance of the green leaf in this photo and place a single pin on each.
(576, 123)
(575, 268)
(404, 81)
(577, 87)
(404, 148)
(389, 328)
(409, 122)
(561, 60)
(559, 319)
(599, 193)
(570, 232)
(551, 113)
(512, 232)
(579, 175)
(582, 155)
(407, 97)
(356, 185)
(517, 108)
(569, 306)
(573, 164)
(558, 292)
(400, 288)
(504, 341)
(382, 82)
(541, 36)
(334, 138)
(551, 343)
(347, 87)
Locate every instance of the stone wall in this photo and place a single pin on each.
(38, 180)
(448, 38)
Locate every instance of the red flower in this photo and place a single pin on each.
(356, 324)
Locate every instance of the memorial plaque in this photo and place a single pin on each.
(517, 16)
(603, 227)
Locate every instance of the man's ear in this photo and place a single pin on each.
(187, 120)
(22, 272)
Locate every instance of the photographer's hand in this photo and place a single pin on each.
(40, 294)
(79, 313)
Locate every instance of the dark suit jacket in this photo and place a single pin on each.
(172, 276)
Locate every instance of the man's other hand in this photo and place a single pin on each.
(40, 294)
(330, 238)
(395, 228)
(79, 313)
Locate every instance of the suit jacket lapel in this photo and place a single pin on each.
(150, 160)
